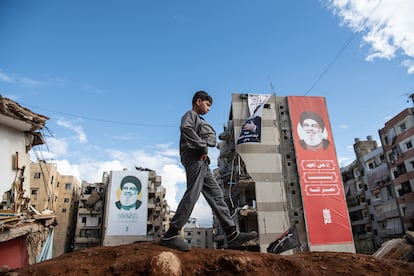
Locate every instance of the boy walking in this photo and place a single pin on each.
(195, 138)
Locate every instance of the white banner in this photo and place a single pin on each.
(251, 129)
(128, 200)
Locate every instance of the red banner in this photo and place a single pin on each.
(325, 209)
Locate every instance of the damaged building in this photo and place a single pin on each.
(58, 195)
(397, 138)
(23, 230)
(371, 198)
(276, 182)
(102, 218)
(90, 215)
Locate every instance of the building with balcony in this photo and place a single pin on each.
(157, 206)
(56, 194)
(196, 236)
(100, 222)
(274, 184)
(371, 199)
(90, 215)
(397, 138)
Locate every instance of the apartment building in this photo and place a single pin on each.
(66, 210)
(124, 224)
(43, 186)
(371, 199)
(57, 194)
(90, 214)
(277, 184)
(397, 138)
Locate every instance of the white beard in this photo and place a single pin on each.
(313, 140)
(127, 200)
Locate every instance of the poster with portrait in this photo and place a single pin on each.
(251, 130)
(325, 209)
(128, 200)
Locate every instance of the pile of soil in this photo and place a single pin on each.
(146, 258)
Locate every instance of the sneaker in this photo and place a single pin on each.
(175, 243)
(238, 238)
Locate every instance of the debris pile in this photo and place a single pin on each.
(146, 258)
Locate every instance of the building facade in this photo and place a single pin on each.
(266, 182)
(157, 206)
(397, 138)
(90, 215)
(103, 221)
(371, 198)
(23, 232)
(57, 194)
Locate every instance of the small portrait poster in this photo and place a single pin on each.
(128, 200)
(251, 130)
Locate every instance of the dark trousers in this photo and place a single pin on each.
(201, 180)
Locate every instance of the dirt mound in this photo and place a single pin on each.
(147, 258)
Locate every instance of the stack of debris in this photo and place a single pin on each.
(398, 249)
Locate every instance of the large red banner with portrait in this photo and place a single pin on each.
(325, 209)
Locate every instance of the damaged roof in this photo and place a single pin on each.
(18, 117)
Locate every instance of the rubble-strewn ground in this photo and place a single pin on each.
(145, 258)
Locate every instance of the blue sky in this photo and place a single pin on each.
(115, 77)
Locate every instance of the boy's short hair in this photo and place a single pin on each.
(203, 95)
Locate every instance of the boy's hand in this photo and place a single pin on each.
(204, 157)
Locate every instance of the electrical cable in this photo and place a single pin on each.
(344, 47)
(97, 119)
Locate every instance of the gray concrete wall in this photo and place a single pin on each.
(264, 164)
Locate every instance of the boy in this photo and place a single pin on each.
(194, 157)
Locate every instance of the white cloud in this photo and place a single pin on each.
(409, 63)
(124, 137)
(344, 161)
(171, 175)
(344, 126)
(5, 78)
(203, 213)
(165, 162)
(350, 148)
(167, 150)
(78, 129)
(57, 147)
(30, 82)
(389, 26)
(24, 81)
(53, 149)
(91, 171)
(91, 89)
(65, 168)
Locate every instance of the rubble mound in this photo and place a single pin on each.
(146, 258)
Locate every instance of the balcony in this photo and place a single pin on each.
(360, 222)
(391, 213)
(364, 236)
(390, 232)
(360, 207)
(83, 211)
(377, 201)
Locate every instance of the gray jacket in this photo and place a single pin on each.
(193, 139)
